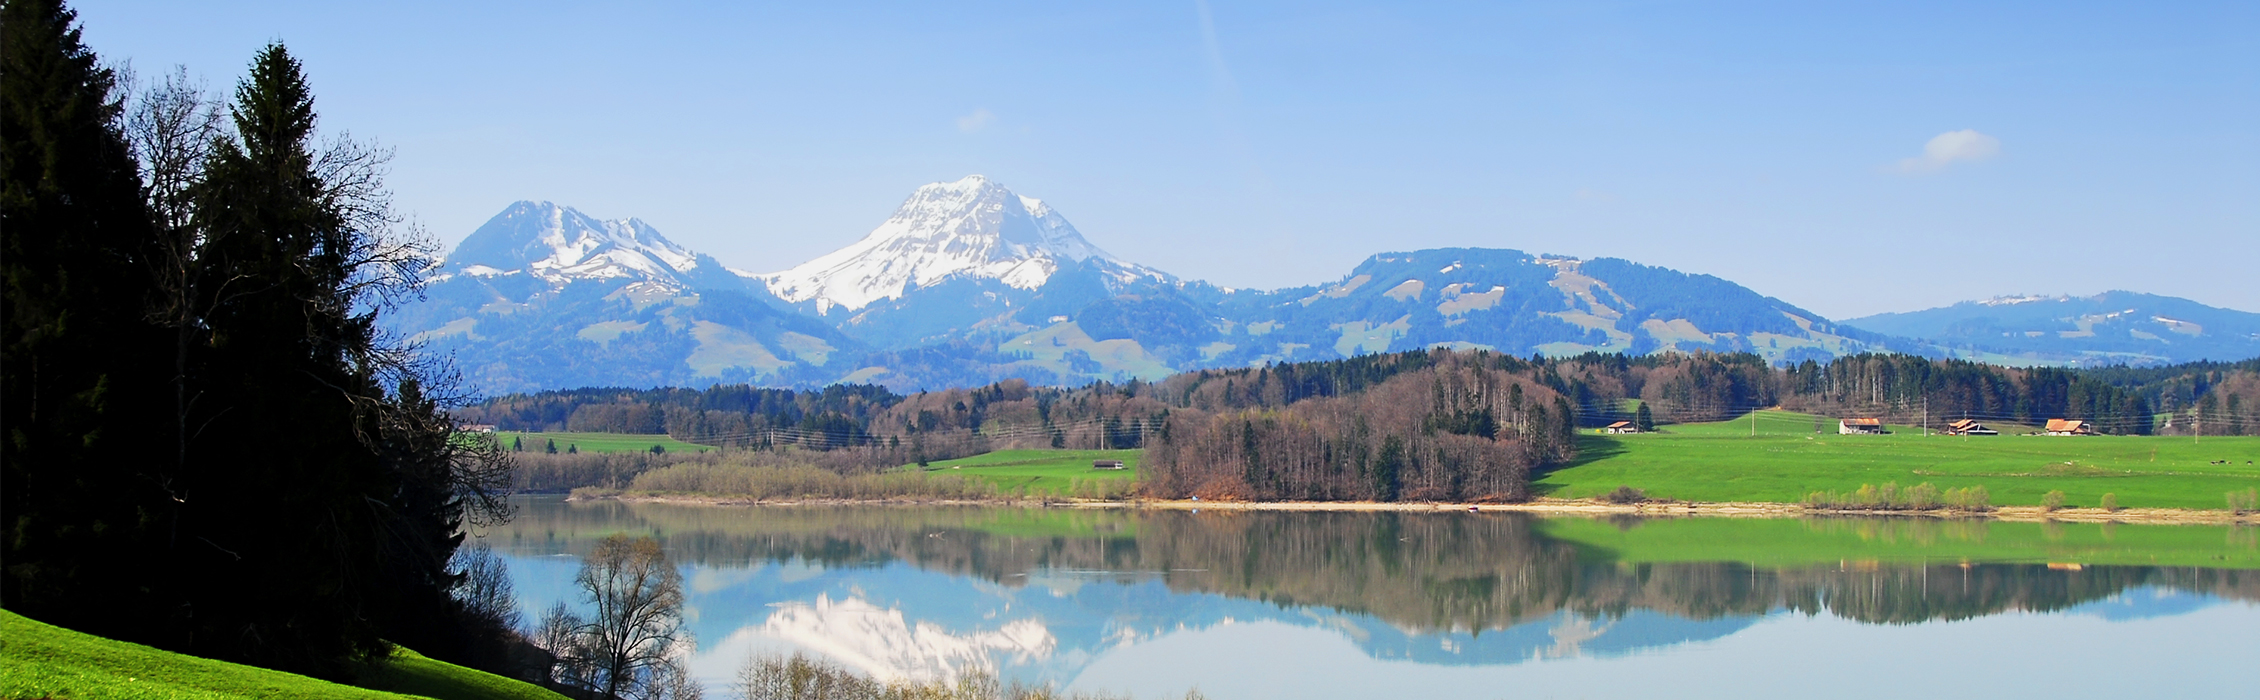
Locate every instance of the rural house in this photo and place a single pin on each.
(1107, 464)
(1860, 426)
(2059, 426)
(1969, 427)
(1621, 427)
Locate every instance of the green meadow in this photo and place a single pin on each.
(39, 660)
(1786, 459)
(1803, 542)
(599, 442)
(1040, 471)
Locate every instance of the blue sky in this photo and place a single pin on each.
(1853, 160)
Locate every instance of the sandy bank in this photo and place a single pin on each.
(1543, 506)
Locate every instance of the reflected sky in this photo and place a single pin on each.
(1133, 606)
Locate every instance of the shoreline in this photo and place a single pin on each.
(1541, 506)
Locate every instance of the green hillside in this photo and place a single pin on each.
(1041, 471)
(598, 442)
(39, 660)
(1786, 459)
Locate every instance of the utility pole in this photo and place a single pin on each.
(1926, 415)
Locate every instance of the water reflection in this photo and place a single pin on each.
(1123, 600)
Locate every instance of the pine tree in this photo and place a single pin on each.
(80, 392)
(1643, 420)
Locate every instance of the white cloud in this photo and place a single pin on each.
(976, 121)
(1950, 147)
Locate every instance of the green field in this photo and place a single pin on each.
(1040, 471)
(39, 660)
(1787, 460)
(1799, 542)
(600, 442)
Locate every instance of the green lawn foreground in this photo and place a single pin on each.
(599, 442)
(39, 660)
(1787, 460)
(1038, 471)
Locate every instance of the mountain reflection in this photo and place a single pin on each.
(933, 592)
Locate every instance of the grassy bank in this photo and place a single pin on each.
(39, 660)
(599, 443)
(1804, 542)
(1044, 472)
(1786, 460)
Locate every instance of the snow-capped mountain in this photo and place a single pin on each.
(971, 229)
(558, 244)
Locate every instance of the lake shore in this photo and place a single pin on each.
(1543, 506)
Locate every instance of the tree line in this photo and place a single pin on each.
(209, 446)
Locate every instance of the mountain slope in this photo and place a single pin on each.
(971, 229)
(543, 296)
(2110, 328)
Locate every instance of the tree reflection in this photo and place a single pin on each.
(1421, 571)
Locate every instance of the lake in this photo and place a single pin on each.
(1442, 604)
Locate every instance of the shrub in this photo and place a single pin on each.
(1923, 496)
(2244, 502)
(2110, 502)
(1625, 494)
(2052, 501)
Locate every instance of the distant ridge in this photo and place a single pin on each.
(2114, 327)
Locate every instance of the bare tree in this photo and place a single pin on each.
(485, 588)
(634, 644)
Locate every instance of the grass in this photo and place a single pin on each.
(600, 442)
(1802, 542)
(1786, 460)
(39, 660)
(1041, 471)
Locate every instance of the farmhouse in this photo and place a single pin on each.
(2059, 426)
(475, 428)
(1969, 427)
(1860, 426)
(1621, 427)
(1107, 464)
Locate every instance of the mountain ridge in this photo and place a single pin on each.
(969, 283)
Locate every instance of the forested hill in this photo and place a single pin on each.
(1595, 388)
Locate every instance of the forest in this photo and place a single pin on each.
(209, 446)
(1429, 425)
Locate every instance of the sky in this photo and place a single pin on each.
(1850, 158)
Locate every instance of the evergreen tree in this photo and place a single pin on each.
(306, 507)
(81, 393)
(1642, 419)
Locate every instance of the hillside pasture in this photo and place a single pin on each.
(1041, 472)
(39, 660)
(599, 442)
(1786, 460)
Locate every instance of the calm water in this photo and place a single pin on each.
(1372, 605)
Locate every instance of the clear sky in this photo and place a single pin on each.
(1849, 159)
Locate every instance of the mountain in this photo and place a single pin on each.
(971, 229)
(2114, 327)
(969, 283)
(955, 258)
(544, 296)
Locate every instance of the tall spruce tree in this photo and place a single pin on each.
(75, 370)
(301, 506)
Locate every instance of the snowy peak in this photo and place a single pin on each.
(561, 244)
(973, 228)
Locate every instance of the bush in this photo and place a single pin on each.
(2246, 501)
(1889, 496)
(1626, 494)
(2052, 501)
(2110, 502)
(769, 677)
